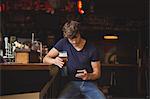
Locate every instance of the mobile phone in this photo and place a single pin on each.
(80, 71)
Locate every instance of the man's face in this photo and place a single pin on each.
(75, 41)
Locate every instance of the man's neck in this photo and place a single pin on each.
(81, 45)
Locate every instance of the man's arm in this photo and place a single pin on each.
(52, 58)
(96, 71)
(90, 76)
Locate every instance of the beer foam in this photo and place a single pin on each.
(63, 54)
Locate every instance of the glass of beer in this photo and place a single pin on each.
(63, 55)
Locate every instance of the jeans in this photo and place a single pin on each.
(86, 88)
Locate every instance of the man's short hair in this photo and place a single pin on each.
(71, 28)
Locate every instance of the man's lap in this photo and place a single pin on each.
(86, 88)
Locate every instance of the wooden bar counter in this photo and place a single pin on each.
(28, 81)
(42, 66)
(45, 81)
(28, 66)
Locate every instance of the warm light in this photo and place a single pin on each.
(81, 11)
(110, 37)
(79, 5)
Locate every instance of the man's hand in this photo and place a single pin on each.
(82, 74)
(59, 62)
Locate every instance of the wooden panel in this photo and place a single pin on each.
(22, 96)
(28, 66)
(22, 57)
(18, 79)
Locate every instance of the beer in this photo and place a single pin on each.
(63, 55)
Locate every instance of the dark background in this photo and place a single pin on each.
(129, 19)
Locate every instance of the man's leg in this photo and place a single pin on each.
(91, 91)
(70, 91)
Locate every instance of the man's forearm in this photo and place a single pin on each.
(92, 76)
(48, 60)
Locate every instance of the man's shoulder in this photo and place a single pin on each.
(63, 40)
(91, 46)
(61, 44)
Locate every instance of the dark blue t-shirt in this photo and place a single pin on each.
(78, 59)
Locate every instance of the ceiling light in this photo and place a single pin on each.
(111, 37)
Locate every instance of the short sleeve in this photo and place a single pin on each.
(59, 45)
(95, 54)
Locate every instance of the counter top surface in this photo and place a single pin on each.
(43, 66)
(29, 66)
(120, 65)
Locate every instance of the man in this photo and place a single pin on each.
(83, 63)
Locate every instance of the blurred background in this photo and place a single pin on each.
(38, 23)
